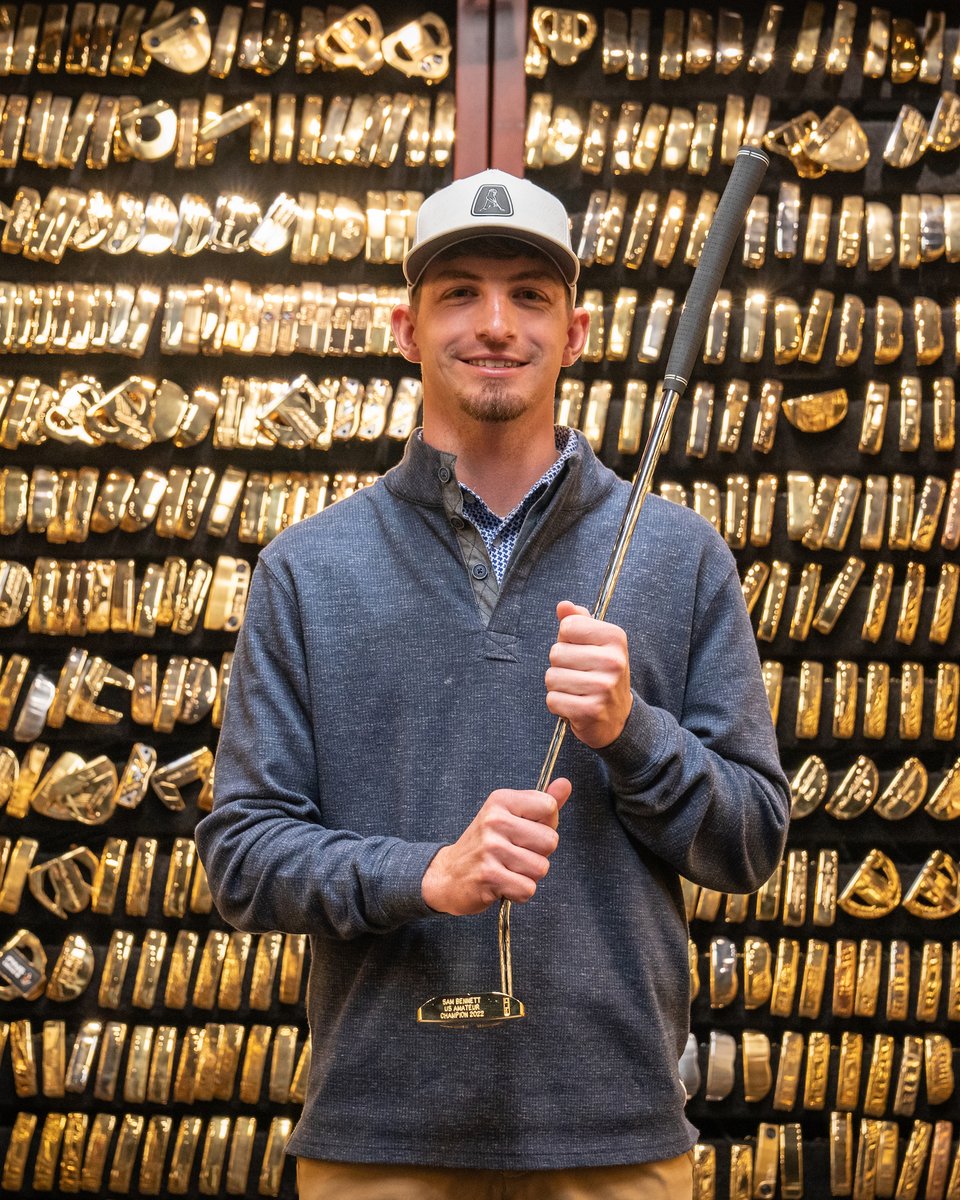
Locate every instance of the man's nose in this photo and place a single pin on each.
(496, 317)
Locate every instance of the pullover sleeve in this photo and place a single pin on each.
(271, 863)
(707, 793)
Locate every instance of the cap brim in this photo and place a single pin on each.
(417, 261)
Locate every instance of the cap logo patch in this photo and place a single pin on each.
(493, 200)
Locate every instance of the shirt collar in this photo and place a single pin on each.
(566, 443)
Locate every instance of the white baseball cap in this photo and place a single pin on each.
(492, 204)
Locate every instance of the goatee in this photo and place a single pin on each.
(493, 403)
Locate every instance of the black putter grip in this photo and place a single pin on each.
(749, 168)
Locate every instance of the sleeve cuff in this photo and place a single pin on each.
(634, 755)
(397, 896)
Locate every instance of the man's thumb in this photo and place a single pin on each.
(567, 608)
(560, 790)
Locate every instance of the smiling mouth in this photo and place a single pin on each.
(494, 364)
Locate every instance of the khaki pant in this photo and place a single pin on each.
(671, 1179)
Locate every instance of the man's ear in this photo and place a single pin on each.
(403, 323)
(576, 336)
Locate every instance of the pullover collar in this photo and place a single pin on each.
(423, 471)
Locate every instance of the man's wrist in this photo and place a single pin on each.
(434, 883)
(619, 733)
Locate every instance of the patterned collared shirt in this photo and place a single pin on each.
(486, 540)
(500, 533)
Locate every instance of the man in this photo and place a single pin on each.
(402, 661)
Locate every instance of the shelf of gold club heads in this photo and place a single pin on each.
(202, 213)
(819, 438)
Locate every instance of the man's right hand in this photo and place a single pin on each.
(502, 854)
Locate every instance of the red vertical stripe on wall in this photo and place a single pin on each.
(509, 102)
(472, 146)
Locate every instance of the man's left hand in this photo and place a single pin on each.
(588, 681)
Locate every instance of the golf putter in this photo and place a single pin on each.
(749, 168)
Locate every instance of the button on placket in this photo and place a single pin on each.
(479, 571)
(444, 474)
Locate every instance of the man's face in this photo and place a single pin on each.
(491, 335)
